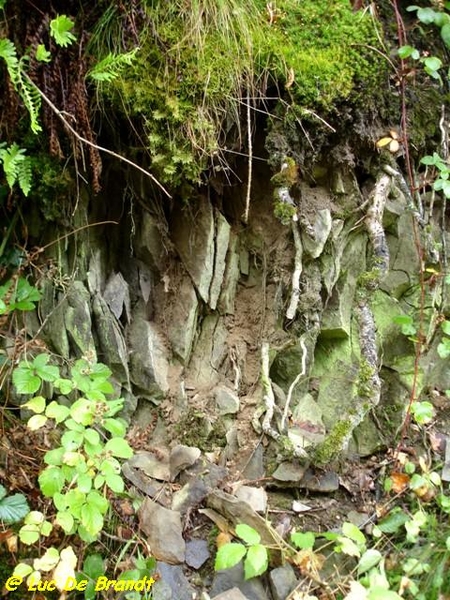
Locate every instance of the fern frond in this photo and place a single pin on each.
(9, 55)
(17, 167)
(30, 96)
(110, 67)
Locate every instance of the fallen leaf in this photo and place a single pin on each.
(385, 141)
(222, 539)
(400, 482)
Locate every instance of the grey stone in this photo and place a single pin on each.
(197, 553)
(164, 532)
(148, 244)
(182, 457)
(172, 584)
(153, 466)
(226, 400)
(145, 484)
(253, 466)
(182, 321)
(309, 428)
(325, 482)
(111, 340)
(77, 321)
(117, 295)
(233, 594)
(282, 582)
(314, 244)
(221, 247)
(231, 278)
(149, 362)
(287, 471)
(226, 580)
(211, 474)
(209, 352)
(193, 236)
(189, 496)
(256, 497)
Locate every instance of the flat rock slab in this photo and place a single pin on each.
(233, 594)
(282, 582)
(289, 472)
(190, 496)
(182, 457)
(197, 553)
(172, 585)
(164, 532)
(256, 497)
(225, 581)
(151, 465)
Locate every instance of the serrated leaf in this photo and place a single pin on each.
(51, 480)
(82, 411)
(36, 422)
(92, 519)
(93, 566)
(117, 427)
(13, 508)
(256, 561)
(72, 440)
(65, 386)
(119, 447)
(248, 534)
(98, 501)
(57, 411)
(348, 546)
(65, 520)
(368, 560)
(24, 379)
(115, 483)
(229, 555)
(47, 561)
(393, 522)
(36, 404)
(303, 541)
(42, 54)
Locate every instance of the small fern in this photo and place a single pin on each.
(17, 166)
(23, 85)
(110, 67)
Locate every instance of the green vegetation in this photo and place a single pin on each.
(206, 61)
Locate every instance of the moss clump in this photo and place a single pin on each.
(332, 446)
(283, 212)
(199, 60)
(364, 384)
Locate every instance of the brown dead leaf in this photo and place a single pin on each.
(222, 539)
(400, 482)
(309, 561)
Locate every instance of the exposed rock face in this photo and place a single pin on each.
(186, 316)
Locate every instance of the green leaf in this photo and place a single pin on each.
(303, 541)
(110, 466)
(48, 372)
(65, 520)
(42, 54)
(432, 63)
(248, 534)
(92, 436)
(36, 404)
(354, 533)
(2, 491)
(36, 422)
(393, 522)
(28, 534)
(348, 546)
(46, 528)
(84, 483)
(65, 386)
(119, 447)
(117, 427)
(91, 519)
(381, 593)
(445, 34)
(24, 379)
(256, 561)
(407, 324)
(407, 52)
(445, 326)
(75, 501)
(51, 480)
(115, 483)
(98, 501)
(368, 560)
(229, 555)
(60, 30)
(443, 348)
(13, 508)
(99, 481)
(57, 411)
(82, 411)
(72, 440)
(423, 412)
(93, 566)
(426, 15)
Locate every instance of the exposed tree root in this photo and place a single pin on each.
(298, 267)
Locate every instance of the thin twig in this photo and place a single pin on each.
(82, 139)
(250, 159)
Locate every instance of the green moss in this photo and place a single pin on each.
(331, 447)
(364, 383)
(283, 212)
(198, 61)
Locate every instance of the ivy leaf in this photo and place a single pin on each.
(248, 534)
(229, 555)
(60, 30)
(256, 561)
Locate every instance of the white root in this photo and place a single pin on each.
(374, 223)
(298, 267)
(294, 383)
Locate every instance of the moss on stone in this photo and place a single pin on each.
(332, 446)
